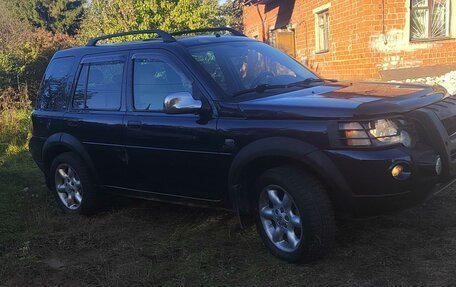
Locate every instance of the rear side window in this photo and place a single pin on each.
(155, 79)
(99, 86)
(53, 93)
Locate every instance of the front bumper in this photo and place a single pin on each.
(373, 189)
(364, 206)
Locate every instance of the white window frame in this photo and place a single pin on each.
(429, 7)
(317, 12)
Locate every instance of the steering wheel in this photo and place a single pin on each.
(262, 76)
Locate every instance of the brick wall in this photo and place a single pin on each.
(365, 39)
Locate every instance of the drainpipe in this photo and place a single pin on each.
(263, 35)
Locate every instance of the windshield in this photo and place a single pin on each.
(240, 66)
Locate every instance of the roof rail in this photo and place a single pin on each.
(218, 29)
(167, 38)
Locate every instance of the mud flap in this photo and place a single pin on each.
(241, 206)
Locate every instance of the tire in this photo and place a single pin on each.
(66, 189)
(303, 240)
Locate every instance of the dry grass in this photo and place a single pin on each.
(149, 244)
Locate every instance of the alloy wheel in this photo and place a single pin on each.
(280, 218)
(68, 186)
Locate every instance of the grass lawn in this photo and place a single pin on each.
(142, 243)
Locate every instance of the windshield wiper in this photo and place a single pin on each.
(263, 87)
(310, 80)
(259, 89)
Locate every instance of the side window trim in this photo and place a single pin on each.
(89, 60)
(86, 84)
(103, 59)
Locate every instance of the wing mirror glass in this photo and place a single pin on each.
(181, 103)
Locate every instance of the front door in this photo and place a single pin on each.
(169, 154)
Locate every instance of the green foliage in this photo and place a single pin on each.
(23, 63)
(232, 11)
(39, 51)
(112, 16)
(15, 128)
(17, 171)
(58, 16)
(13, 33)
(10, 99)
(24, 53)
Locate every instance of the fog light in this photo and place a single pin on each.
(438, 165)
(400, 171)
(397, 170)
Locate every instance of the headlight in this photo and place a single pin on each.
(375, 133)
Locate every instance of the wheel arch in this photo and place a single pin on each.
(63, 142)
(268, 153)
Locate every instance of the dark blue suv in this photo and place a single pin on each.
(224, 121)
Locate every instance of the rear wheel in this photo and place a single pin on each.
(294, 216)
(72, 185)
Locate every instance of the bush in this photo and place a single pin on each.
(25, 51)
(10, 99)
(38, 53)
(14, 118)
(14, 128)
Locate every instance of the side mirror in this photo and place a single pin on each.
(181, 103)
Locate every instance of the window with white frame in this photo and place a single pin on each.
(429, 19)
(322, 31)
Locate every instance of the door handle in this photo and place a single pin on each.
(134, 124)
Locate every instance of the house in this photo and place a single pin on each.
(360, 39)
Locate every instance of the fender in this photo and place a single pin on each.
(273, 146)
(297, 150)
(70, 142)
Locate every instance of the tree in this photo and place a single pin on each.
(25, 52)
(232, 11)
(57, 16)
(111, 16)
(13, 34)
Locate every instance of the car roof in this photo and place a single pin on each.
(151, 43)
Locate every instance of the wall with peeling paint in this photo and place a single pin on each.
(367, 37)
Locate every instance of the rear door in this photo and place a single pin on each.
(96, 113)
(169, 154)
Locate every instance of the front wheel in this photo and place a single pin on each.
(294, 216)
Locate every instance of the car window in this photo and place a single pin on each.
(155, 79)
(52, 92)
(99, 86)
(248, 65)
(252, 64)
(209, 62)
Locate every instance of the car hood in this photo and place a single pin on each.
(344, 100)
